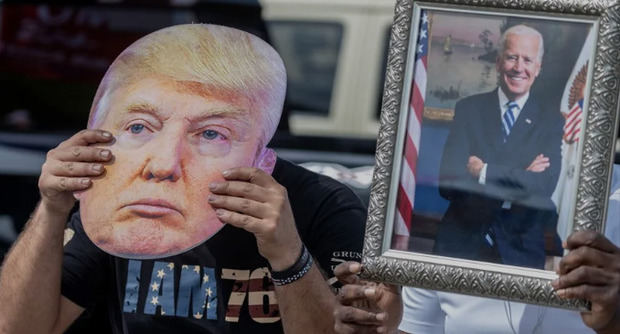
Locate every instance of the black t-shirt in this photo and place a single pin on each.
(221, 286)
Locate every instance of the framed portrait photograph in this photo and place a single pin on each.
(496, 143)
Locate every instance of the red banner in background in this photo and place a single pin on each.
(74, 43)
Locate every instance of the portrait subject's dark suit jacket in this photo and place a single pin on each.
(518, 230)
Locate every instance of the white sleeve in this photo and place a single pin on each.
(612, 228)
(482, 179)
(422, 313)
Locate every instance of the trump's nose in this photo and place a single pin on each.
(165, 163)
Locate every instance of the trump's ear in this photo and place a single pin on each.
(266, 160)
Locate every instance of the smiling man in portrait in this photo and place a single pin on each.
(501, 163)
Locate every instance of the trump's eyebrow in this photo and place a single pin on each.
(236, 114)
(145, 108)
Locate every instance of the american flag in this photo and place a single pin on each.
(406, 188)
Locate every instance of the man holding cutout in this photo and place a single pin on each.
(174, 166)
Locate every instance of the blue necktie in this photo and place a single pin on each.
(509, 119)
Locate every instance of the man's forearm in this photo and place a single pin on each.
(613, 327)
(30, 276)
(525, 181)
(307, 305)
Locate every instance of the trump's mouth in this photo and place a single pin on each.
(152, 208)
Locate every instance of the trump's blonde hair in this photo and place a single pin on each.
(219, 59)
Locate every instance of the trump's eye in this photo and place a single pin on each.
(213, 140)
(211, 135)
(136, 128)
(136, 132)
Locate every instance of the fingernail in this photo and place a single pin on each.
(355, 268)
(97, 168)
(106, 134)
(369, 292)
(555, 283)
(212, 198)
(561, 293)
(105, 153)
(85, 181)
(219, 212)
(380, 316)
(564, 244)
(226, 172)
(213, 185)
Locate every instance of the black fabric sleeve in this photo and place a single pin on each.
(337, 230)
(85, 267)
(330, 218)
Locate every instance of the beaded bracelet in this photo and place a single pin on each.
(294, 272)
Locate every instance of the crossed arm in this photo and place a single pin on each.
(461, 168)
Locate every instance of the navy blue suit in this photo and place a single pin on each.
(518, 232)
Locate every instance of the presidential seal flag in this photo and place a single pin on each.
(572, 108)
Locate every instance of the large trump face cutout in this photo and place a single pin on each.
(183, 103)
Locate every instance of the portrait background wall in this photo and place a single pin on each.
(461, 58)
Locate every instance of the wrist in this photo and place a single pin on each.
(47, 221)
(52, 210)
(286, 259)
(296, 271)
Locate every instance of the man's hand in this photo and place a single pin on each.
(252, 200)
(591, 270)
(474, 166)
(70, 166)
(365, 307)
(539, 164)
